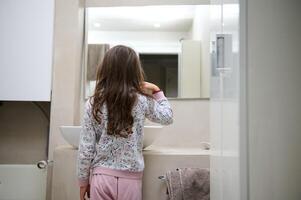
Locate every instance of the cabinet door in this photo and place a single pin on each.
(190, 72)
(26, 39)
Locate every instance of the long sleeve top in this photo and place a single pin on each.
(98, 149)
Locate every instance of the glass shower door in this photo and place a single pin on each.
(224, 100)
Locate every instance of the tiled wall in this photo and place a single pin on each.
(190, 126)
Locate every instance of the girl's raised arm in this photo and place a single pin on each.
(158, 109)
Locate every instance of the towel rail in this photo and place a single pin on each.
(162, 177)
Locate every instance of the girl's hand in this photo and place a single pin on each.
(83, 191)
(149, 88)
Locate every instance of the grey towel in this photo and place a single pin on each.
(96, 53)
(188, 184)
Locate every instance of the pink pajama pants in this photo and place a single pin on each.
(108, 184)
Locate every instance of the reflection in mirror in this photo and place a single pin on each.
(171, 41)
(162, 70)
(95, 55)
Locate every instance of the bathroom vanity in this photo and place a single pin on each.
(158, 160)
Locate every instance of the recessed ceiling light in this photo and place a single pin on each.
(96, 25)
(157, 25)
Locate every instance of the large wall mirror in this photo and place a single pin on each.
(171, 41)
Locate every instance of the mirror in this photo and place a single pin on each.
(171, 41)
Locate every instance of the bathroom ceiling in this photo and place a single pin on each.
(143, 18)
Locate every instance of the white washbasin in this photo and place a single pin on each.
(72, 133)
(151, 132)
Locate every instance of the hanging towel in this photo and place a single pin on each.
(188, 184)
(96, 53)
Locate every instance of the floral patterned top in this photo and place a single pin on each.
(98, 149)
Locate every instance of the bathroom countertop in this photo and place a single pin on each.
(152, 149)
(169, 150)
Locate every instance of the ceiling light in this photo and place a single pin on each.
(96, 25)
(157, 25)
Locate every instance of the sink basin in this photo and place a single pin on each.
(72, 133)
(151, 132)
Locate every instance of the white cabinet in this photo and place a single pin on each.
(26, 38)
(190, 69)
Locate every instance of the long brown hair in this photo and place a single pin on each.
(119, 79)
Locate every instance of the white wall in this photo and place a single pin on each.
(26, 38)
(274, 99)
(66, 102)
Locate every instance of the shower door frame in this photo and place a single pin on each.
(243, 111)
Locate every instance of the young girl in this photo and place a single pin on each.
(110, 160)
